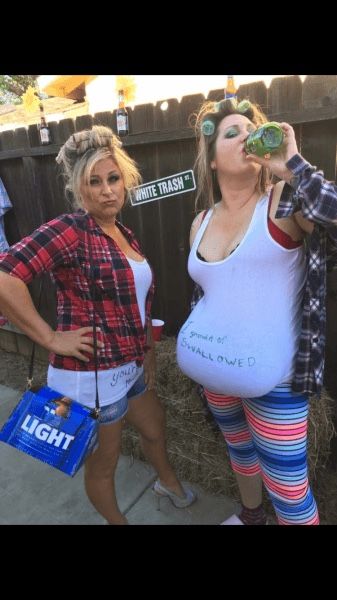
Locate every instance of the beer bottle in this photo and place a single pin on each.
(266, 139)
(44, 131)
(230, 90)
(122, 115)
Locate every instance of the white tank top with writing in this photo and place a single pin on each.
(242, 337)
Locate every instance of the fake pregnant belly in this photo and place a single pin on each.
(229, 362)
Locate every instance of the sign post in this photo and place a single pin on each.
(162, 188)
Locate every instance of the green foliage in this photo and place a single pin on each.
(13, 86)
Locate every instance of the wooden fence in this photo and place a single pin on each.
(163, 143)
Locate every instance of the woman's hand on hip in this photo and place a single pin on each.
(77, 343)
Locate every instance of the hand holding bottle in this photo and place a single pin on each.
(276, 162)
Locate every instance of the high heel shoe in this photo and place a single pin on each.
(232, 520)
(161, 491)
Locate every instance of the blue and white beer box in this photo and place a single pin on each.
(51, 428)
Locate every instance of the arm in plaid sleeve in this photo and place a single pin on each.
(311, 193)
(50, 245)
(315, 197)
(41, 251)
(46, 248)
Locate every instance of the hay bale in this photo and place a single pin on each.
(196, 447)
(321, 430)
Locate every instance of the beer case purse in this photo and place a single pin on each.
(51, 427)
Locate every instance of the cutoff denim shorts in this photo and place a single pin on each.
(116, 411)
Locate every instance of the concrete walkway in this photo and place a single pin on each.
(32, 493)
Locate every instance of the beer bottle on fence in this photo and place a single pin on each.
(122, 115)
(265, 140)
(230, 90)
(44, 131)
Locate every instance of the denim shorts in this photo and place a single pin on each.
(116, 411)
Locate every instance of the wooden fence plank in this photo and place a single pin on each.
(34, 137)
(108, 119)
(167, 119)
(54, 132)
(143, 118)
(67, 127)
(83, 122)
(256, 92)
(284, 92)
(216, 95)
(158, 137)
(189, 107)
(320, 91)
(7, 140)
(303, 115)
(21, 139)
(318, 146)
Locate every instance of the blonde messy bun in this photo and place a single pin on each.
(84, 149)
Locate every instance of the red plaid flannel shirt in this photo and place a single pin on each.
(61, 247)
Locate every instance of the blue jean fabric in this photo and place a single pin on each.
(116, 411)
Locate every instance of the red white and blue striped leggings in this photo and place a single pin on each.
(268, 435)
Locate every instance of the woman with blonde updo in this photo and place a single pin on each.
(76, 249)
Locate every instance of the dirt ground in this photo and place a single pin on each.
(14, 370)
(195, 445)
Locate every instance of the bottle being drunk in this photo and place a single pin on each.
(44, 131)
(122, 115)
(230, 90)
(265, 140)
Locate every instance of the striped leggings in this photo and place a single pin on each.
(268, 435)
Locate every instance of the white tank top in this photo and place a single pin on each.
(143, 276)
(242, 336)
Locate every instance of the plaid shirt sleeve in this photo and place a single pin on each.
(317, 199)
(46, 248)
(314, 196)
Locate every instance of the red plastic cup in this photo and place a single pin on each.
(157, 327)
(3, 320)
